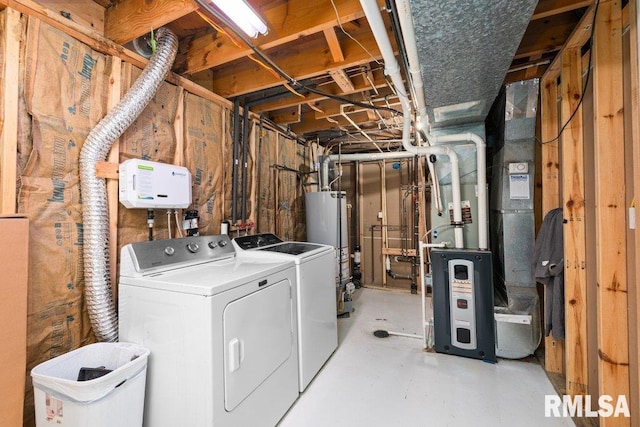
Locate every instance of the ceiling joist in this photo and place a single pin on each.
(142, 16)
(287, 22)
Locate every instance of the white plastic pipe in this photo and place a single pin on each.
(392, 69)
(411, 48)
(409, 38)
(421, 151)
(481, 161)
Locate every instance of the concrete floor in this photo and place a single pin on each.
(392, 381)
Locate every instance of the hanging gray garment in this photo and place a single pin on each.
(548, 269)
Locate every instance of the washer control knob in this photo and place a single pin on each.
(222, 243)
(213, 245)
(169, 250)
(193, 247)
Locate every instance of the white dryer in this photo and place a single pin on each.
(316, 295)
(221, 330)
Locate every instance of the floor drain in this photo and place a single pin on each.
(381, 334)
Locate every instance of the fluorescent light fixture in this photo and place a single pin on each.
(243, 16)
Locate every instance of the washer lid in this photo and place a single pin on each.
(293, 248)
(212, 277)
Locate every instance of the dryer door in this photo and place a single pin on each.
(258, 338)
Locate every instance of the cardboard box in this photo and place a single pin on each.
(14, 256)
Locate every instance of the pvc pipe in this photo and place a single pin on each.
(440, 149)
(402, 334)
(392, 69)
(481, 161)
(409, 36)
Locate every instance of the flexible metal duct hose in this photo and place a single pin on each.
(98, 296)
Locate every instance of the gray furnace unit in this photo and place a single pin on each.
(463, 320)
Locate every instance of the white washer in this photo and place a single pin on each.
(221, 330)
(316, 293)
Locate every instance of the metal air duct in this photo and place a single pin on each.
(98, 296)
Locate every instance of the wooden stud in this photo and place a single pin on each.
(113, 159)
(634, 305)
(11, 35)
(613, 351)
(178, 129)
(573, 192)
(224, 161)
(554, 349)
(360, 184)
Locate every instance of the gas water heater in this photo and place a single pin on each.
(463, 319)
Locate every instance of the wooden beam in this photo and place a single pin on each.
(286, 116)
(303, 60)
(89, 14)
(398, 252)
(573, 191)
(334, 44)
(613, 348)
(9, 76)
(308, 123)
(342, 80)
(554, 349)
(291, 100)
(547, 8)
(579, 36)
(103, 45)
(546, 35)
(332, 108)
(287, 22)
(127, 20)
(108, 169)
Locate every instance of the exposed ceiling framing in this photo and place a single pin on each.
(325, 44)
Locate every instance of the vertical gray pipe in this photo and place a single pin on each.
(245, 161)
(95, 252)
(234, 165)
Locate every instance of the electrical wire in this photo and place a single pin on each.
(298, 86)
(350, 36)
(586, 80)
(169, 222)
(175, 214)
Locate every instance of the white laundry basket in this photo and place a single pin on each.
(114, 399)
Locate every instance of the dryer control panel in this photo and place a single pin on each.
(144, 257)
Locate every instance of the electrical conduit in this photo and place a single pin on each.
(98, 296)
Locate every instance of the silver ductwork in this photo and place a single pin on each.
(98, 295)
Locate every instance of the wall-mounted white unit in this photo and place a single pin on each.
(147, 185)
